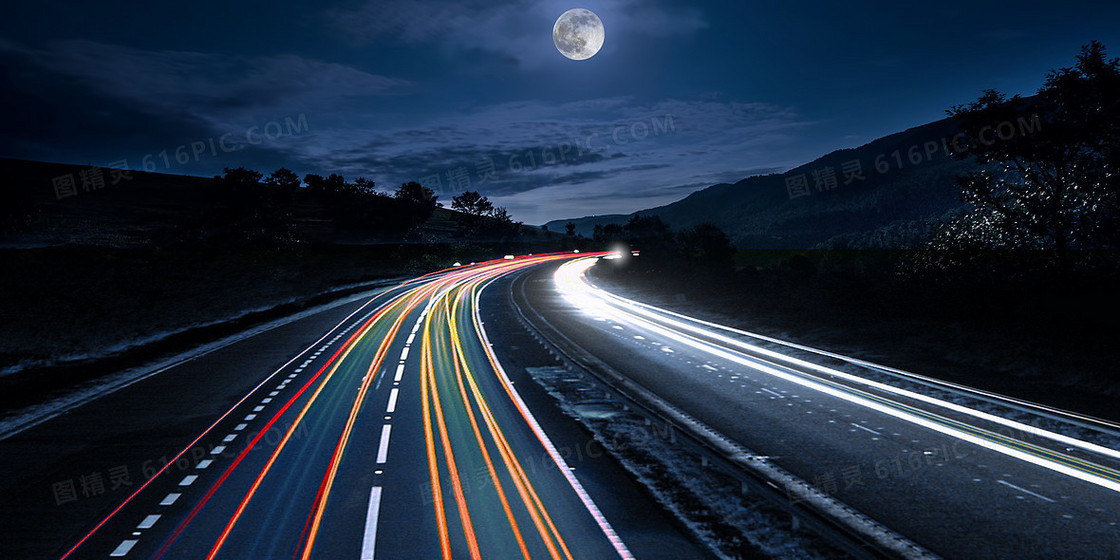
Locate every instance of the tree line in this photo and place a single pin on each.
(251, 206)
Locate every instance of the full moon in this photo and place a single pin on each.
(578, 34)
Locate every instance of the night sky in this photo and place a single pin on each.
(467, 94)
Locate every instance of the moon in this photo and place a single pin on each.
(578, 34)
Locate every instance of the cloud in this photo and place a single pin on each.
(212, 87)
(539, 158)
(512, 30)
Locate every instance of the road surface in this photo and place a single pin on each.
(399, 434)
(964, 474)
(395, 435)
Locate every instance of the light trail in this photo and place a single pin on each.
(471, 418)
(572, 283)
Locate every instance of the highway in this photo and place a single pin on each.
(962, 473)
(396, 432)
(396, 435)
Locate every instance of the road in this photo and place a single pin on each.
(963, 473)
(399, 434)
(395, 435)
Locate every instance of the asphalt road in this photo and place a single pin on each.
(388, 428)
(397, 434)
(959, 481)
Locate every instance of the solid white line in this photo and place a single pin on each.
(148, 521)
(170, 499)
(1025, 491)
(392, 401)
(383, 447)
(124, 547)
(369, 540)
(400, 372)
(866, 429)
(588, 502)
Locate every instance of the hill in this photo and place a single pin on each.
(879, 194)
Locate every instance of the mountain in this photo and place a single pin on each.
(892, 186)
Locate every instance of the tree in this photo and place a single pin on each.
(706, 246)
(1050, 167)
(250, 209)
(570, 229)
(365, 188)
(418, 202)
(283, 179)
(472, 203)
(241, 177)
(333, 184)
(416, 193)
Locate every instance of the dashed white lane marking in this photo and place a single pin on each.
(298, 370)
(239, 427)
(706, 366)
(250, 417)
(666, 349)
(383, 447)
(123, 548)
(203, 464)
(639, 337)
(188, 480)
(404, 354)
(218, 450)
(392, 401)
(866, 429)
(616, 327)
(1025, 491)
(369, 540)
(229, 438)
(170, 499)
(266, 400)
(773, 393)
(258, 408)
(274, 393)
(411, 337)
(400, 372)
(148, 521)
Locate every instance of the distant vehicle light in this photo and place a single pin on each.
(457, 263)
(509, 257)
(635, 253)
(576, 251)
